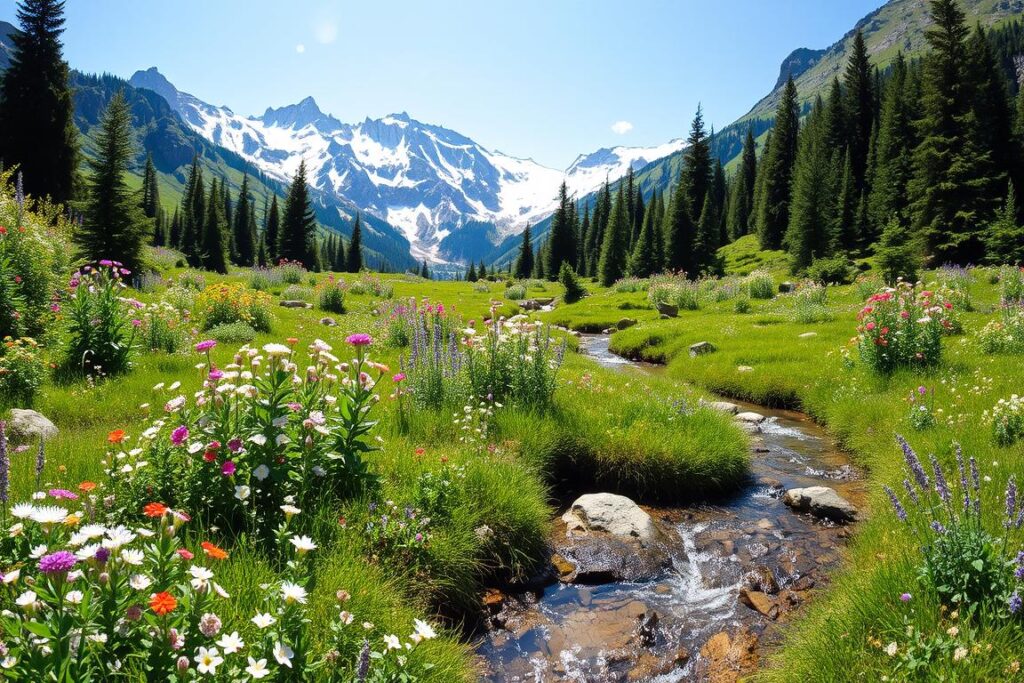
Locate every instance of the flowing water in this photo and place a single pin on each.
(565, 632)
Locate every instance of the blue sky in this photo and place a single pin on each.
(546, 79)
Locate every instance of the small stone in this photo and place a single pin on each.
(786, 287)
(291, 303)
(494, 599)
(821, 501)
(625, 323)
(750, 416)
(564, 567)
(722, 406)
(808, 335)
(27, 424)
(756, 600)
(328, 321)
(668, 310)
(701, 348)
(744, 368)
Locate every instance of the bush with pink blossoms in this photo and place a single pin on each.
(902, 327)
(102, 323)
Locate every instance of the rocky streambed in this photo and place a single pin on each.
(680, 594)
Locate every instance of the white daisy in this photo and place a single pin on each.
(283, 654)
(263, 620)
(303, 544)
(208, 660)
(257, 668)
(261, 472)
(231, 643)
(132, 557)
(139, 582)
(292, 592)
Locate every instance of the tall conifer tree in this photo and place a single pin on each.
(354, 263)
(777, 171)
(524, 262)
(297, 241)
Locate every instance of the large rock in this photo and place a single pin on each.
(786, 287)
(722, 406)
(821, 501)
(292, 303)
(26, 425)
(612, 514)
(668, 309)
(701, 348)
(750, 416)
(598, 558)
(625, 323)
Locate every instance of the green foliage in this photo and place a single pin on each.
(614, 248)
(22, 372)
(897, 254)
(836, 270)
(777, 171)
(515, 292)
(760, 285)
(164, 328)
(331, 295)
(354, 260)
(1005, 335)
(574, 290)
(101, 332)
(524, 262)
(297, 293)
(810, 303)
(676, 290)
(232, 333)
(224, 303)
(297, 241)
(1007, 418)
(215, 238)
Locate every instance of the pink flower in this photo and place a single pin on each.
(359, 339)
(235, 444)
(228, 468)
(185, 553)
(63, 493)
(216, 374)
(205, 345)
(400, 377)
(870, 326)
(179, 435)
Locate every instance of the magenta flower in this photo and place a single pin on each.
(179, 435)
(922, 390)
(216, 374)
(400, 377)
(228, 468)
(205, 345)
(905, 597)
(136, 322)
(59, 562)
(359, 339)
(235, 444)
(63, 493)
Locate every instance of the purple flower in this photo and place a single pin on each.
(136, 322)
(63, 493)
(963, 478)
(914, 463)
(941, 487)
(937, 527)
(216, 374)
(359, 339)
(1015, 603)
(102, 555)
(897, 506)
(1011, 501)
(922, 390)
(205, 345)
(179, 435)
(910, 491)
(59, 562)
(364, 662)
(235, 445)
(228, 468)
(906, 597)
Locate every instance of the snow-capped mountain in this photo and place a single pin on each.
(426, 180)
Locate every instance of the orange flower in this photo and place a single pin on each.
(86, 486)
(116, 436)
(213, 552)
(292, 341)
(154, 510)
(162, 603)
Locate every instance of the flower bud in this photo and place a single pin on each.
(182, 664)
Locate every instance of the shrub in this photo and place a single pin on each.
(481, 287)
(810, 303)
(742, 305)
(867, 285)
(263, 279)
(897, 254)
(631, 284)
(165, 328)
(190, 279)
(181, 298)
(22, 371)
(955, 281)
(1007, 419)
(676, 290)
(760, 284)
(964, 563)
(372, 285)
(1005, 335)
(101, 324)
(515, 292)
(574, 291)
(330, 295)
(1011, 282)
(282, 439)
(290, 272)
(164, 258)
(902, 327)
(232, 333)
(297, 293)
(233, 302)
(831, 271)
(922, 408)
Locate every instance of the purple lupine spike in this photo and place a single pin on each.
(1011, 501)
(40, 458)
(975, 479)
(941, 487)
(937, 527)
(363, 669)
(914, 463)
(910, 491)
(896, 504)
(19, 196)
(5, 465)
(1020, 518)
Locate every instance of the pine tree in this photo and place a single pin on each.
(150, 199)
(582, 262)
(1005, 238)
(719, 193)
(37, 128)
(354, 263)
(646, 257)
(245, 235)
(845, 235)
(160, 229)
(340, 257)
(424, 271)
(524, 262)
(561, 240)
(538, 261)
(992, 111)
(272, 230)
(893, 151)
(193, 212)
(696, 173)
(114, 226)
(482, 270)
(834, 134)
(471, 275)
(705, 242)
(897, 253)
(612, 265)
(777, 171)
(951, 191)
(812, 204)
(860, 101)
(679, 233)
(215, 248)
(741, 201)
(262, 256)
(174, 236)
(297, 241)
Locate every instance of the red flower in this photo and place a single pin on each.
(116, 436)
(86, 486)
(209, 456)
(154, 510)
(213, 552)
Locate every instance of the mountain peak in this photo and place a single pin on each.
(152, 79)
(300, 115)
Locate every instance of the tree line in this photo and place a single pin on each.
(212, 228)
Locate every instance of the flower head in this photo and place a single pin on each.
(359, 339)
(213, 552)
(59, 562)
(205, 345)
(154, 510)
(116, 436)
(162, 603)
(179, 435)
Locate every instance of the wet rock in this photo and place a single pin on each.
(726, 657)
(612, 514)
(701, 348)
(668, 310)
(804, 583)
(607, 630)
(750, 416)
(760, 602)
(26, 425)
(722, 406)
(328, 321)
(647, 628)
(821, 501)
(564, 567)
(625, 323)
(494, 599)
(649, 666)
(292, 303)
(770, 482)
(603, 558)
(529, 305)
(761, 578)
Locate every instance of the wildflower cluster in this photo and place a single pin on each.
(330, 295)
(21, 371)
(760, 284)
(372, 285)
(258, 430)
(102, 325)
(290, 272)
(902, 327)
(164, 328)
(397, 534)
(968, 566)
(922, 408)
(1007, 418)
(1011, 281)
(810, 303)
(224, 302)
(676, 290)
(1005, 335)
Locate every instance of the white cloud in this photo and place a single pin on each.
(622, 127)
(326, 32)
(300, 48)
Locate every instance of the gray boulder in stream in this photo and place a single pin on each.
(612, 514)
(821, 501)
